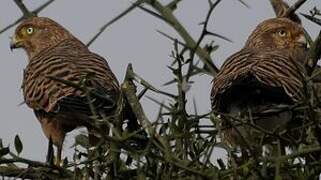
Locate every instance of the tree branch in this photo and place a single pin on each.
(26, 13)
(313, 19)
(129, 89)
(104, 27)
(167, 14)
(32, 173)
(294, 7)
(314, 55)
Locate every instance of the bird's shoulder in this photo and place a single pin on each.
(270, 67)
(256, 60)
(68, 61)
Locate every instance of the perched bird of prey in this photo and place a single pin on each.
(55, 57)
(266, 74)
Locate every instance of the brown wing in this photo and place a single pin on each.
(272, 68)
(69, 60)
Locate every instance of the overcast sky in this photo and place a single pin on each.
(134, 40)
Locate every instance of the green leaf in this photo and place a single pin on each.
(18, 144)
(4, 151)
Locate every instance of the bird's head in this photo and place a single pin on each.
(38, 33)
(279, 33)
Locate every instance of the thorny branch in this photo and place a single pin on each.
(179, 145)
(294, 7)
(35, 169)
(314, 55)
(105, 26)
(23, 8)
(168, 15)
(26, 13)
(312, 18)
(205, 31)
(129, 89)
(32, 173)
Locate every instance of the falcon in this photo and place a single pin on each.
(266, 74)
(64, 82)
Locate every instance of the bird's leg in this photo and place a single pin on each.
(55, 133)
(50, 153)
(59, 152)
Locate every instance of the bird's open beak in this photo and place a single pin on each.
(302, 41)
(14, 43)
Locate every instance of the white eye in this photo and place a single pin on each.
(282, 33)
(29, 30)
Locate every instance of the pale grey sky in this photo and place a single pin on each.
(133, 39)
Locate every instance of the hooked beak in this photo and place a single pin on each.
(302, 42)
(14, 43)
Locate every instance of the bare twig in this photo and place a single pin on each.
(173, 5)
(146, 84)
(245, 4)
(26, 13)
(104, 27)
(11, 25)
(32, 173)
(295, 154)
(294, 7)
(171, 38)
(312, 18)
(205, 24)
(167, 14)
(23, 8)
(314, 55)
(33, 165)
(152, 13)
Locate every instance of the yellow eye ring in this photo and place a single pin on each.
(282, 33)
(29, 30)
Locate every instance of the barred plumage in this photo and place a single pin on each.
(267, 72)
(274, 68)
(61, 61)
(56, 55)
